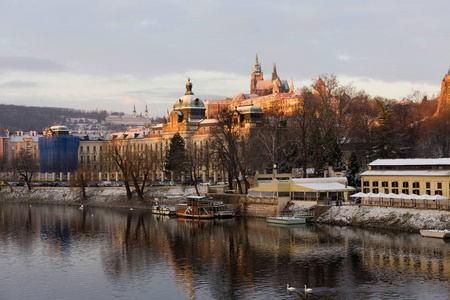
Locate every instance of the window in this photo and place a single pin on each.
(386, 191)
(375, 183)
(95, 158)
(405, 184)
(366, 190)
(428, 192)
(416, 192)
(384, 184)
(416, 185)
(87, 159)
(366, 183)
(100, 148)
(375, 190)
(439, 185)
(395, 184)
(87, 148)
(81, 148)
(437, 192)
(395, 191)
(427, 185)
(405, 191)
(95, 148)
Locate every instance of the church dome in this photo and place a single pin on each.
(189, 100)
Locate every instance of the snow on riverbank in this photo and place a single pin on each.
(382, 217)
(96, 196)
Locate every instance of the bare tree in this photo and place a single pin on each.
(119, 154)
(228, 144)
(24, 165)
(193, 162)
(135, 161)
(80, 180)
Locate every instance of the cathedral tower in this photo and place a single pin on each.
(257, 75)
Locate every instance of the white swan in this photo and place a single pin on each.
(307, 290)
(290, 288)
(131, 208)
(81, 207)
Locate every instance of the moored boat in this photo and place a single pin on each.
(434, 233)
(222, 211)
(198, 207)
(293, 219)
(166, 205)
(164, 209)
(286, 220)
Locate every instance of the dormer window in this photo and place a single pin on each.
(181, 101)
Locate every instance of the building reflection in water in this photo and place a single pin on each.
(235, 257)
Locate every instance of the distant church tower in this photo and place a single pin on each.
(444, 97)
(146, 111)
(257, 75)
(134, 111)
(291, 87)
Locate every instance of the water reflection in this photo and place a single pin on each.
(133, 254)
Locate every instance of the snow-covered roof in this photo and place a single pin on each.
(319, 179)
(326, 186)
(406, 173)
(411, 162)
(15, 138)
(208, 121)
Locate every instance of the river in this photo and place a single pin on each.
(63, 252)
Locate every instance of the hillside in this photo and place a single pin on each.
(26, 118)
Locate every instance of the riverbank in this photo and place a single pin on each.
(105, 197)
(391, 218)
(401, 219)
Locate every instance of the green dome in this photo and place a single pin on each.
(189, 100)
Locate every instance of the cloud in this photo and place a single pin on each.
(130, 100)
(18, 84)
(29, 64)
(343, 57)
(148, 23)
(392, 89)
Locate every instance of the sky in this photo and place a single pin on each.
(113, 54)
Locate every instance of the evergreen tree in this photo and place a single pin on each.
(354, 168)
(337, 158)
(176, 155)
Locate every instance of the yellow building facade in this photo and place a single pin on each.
(408, 176)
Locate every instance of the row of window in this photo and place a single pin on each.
(405, 184)
(403, 191)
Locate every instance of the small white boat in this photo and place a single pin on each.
(286, 220)
(292, 219)
(434, 233)
(164, 209)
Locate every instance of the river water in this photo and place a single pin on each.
(62, 252)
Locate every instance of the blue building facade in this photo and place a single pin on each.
(58, 151)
